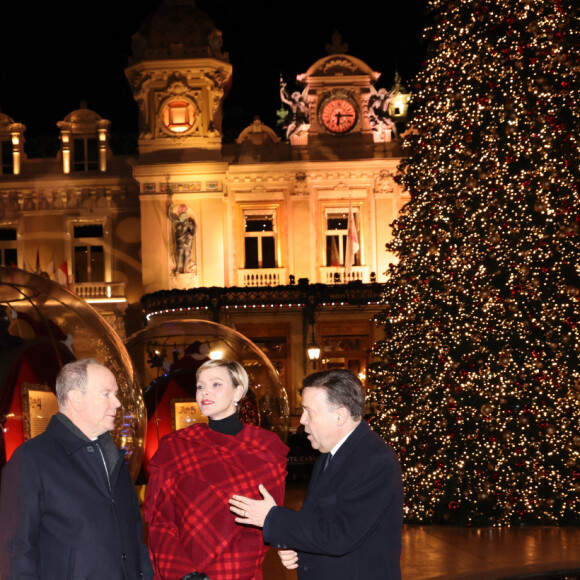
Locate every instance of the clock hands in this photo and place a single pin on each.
(339, 116)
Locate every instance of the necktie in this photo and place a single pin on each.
(328, 458)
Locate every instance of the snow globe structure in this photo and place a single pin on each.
(43, 326)
(167, 355)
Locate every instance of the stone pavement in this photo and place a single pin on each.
(456, 553)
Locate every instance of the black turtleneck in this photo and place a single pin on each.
(229, 426)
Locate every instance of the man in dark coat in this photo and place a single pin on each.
(351, 522)
(68, 508)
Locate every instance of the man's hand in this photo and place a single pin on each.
(289, 559)
(252, 512)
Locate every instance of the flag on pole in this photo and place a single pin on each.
(51, 268)
(62, 275)
(352, 245)
(38, 270)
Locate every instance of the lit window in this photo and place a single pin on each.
(336, 235)
(178, 116)
(8, 249)
(86, 155)
(89, 254)
(260, 239)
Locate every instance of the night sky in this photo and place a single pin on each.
(54, 54)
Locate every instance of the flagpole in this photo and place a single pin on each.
(352, 244)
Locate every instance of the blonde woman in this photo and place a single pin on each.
(193, 474)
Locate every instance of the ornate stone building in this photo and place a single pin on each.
(280, 235)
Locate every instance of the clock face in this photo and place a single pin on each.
(338, 115)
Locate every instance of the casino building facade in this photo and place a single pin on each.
(279, 234)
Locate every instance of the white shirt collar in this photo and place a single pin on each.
(338, 445)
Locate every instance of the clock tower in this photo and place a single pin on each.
(179, 77)
(338, 88)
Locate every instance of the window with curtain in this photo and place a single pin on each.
(336, 235)
(89, 253)
(86, 155)
(260, 239)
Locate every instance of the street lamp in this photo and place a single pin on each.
(313, 350)
(400, 101)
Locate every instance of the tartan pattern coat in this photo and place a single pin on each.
(191, 478)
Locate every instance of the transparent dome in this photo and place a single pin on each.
(43, 325)
(166, 355)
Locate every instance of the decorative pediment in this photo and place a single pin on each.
(83, 120)
(177, 84)
(258, 133)
(5, 122)
(338, 65)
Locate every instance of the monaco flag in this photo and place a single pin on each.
(62, 275)
(352, 245)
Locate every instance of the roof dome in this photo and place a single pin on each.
(177, 29)
(5, 121)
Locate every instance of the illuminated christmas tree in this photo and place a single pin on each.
(477, 383)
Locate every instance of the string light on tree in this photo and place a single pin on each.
(477, 383)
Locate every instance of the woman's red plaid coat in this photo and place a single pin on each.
(192, 476)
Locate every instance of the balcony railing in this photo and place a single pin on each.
(262, 277)
(217, 300)
(101, 291)
(336, 275)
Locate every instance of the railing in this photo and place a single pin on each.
(336, 275)
(262, 277)
(100, 291)
(216, 300)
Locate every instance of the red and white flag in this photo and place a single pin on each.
(62, 275)
(352, 245)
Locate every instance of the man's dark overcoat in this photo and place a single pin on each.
(63, 516)
(350, 525)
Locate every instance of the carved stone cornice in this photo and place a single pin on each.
(15, 202)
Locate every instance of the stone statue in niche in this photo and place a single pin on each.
(183, 228)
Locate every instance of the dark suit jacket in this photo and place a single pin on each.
(62, 517)
(350, 524)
